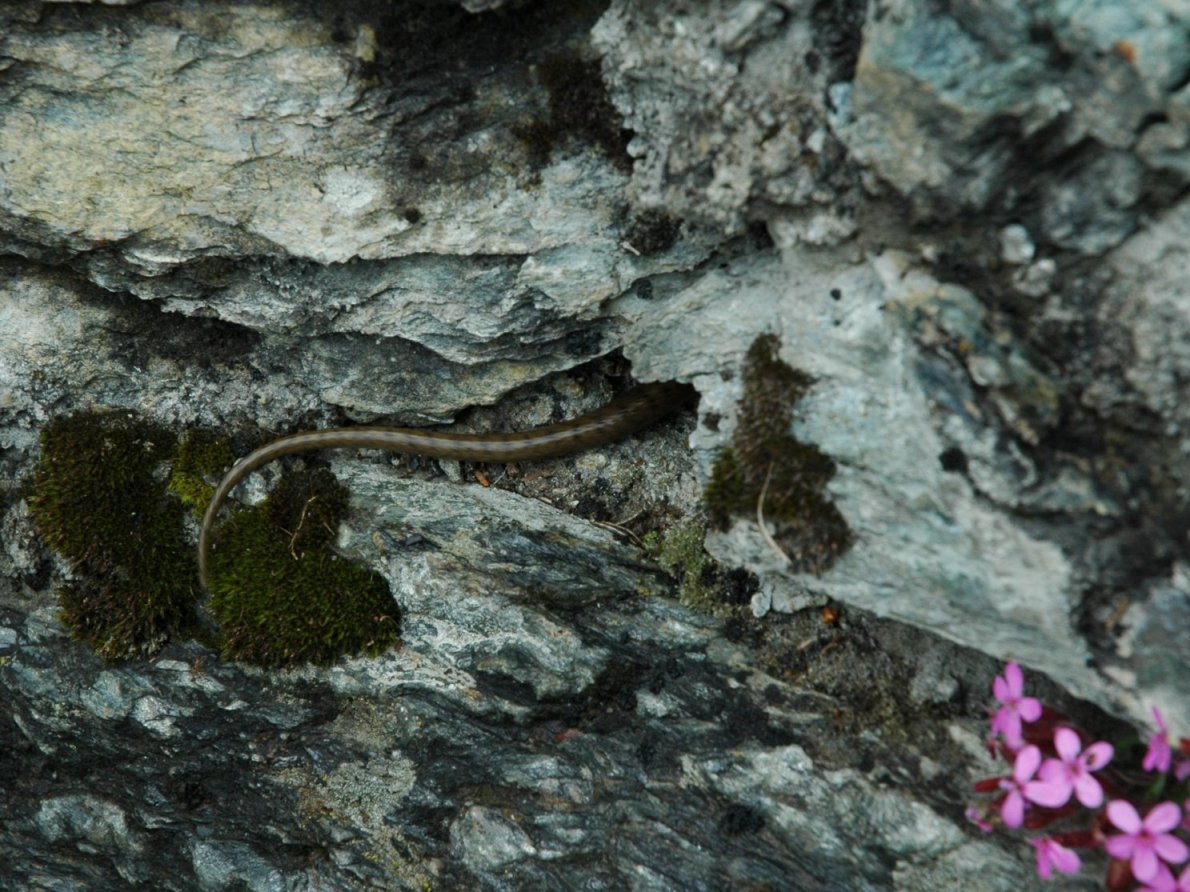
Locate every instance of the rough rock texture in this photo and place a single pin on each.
(969, 223)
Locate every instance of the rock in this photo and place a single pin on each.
(963, 229)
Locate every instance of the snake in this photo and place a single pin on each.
(631, 412)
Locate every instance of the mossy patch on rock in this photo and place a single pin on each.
(767, 466)
(99, 500)
(110, 495)
(280, 594)
(703, 584)
(202, 455)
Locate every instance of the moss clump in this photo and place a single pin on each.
(201, 455)
(279, 593)
(703, 583)
(101, 497)
(680, 553)
(765, 458)
(98, 500)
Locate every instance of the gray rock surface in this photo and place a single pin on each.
(967, 223)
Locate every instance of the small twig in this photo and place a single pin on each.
(301, 522)
(764, 530)
(623, 530)
(1117, 614)
(631, 517)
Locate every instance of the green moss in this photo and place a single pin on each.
(98, 500)
(680, 553)
(202, 455)
(279, 593)
(765, 457)
(703, 583)
(100, 496)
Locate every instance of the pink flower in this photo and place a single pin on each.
(1020, 786)
(1164, 881)
(976, 817)
(1014, 708)
(1158, 756)
(1052, 855)
(1071, 772)
(1144, 844)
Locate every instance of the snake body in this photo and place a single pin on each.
(634, 410)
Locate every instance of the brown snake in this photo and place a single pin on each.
(634, 410)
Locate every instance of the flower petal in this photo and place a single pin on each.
(1163, 882)
(976, 817)
(1067, 744)
(1161, 818)
(1029, 708)
(1064, 859)
(1097, 755)
(1088, 791)
(1044, 860)
(1015, 679)
(1122, 814)
(1013, 810)
(1160, 719)
(1157, 756)
(1144, 863)
(1008, 723)
(1026, 764)
(1120, 846)
(1049, 794)
(1171, 849)
(1054, 770)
